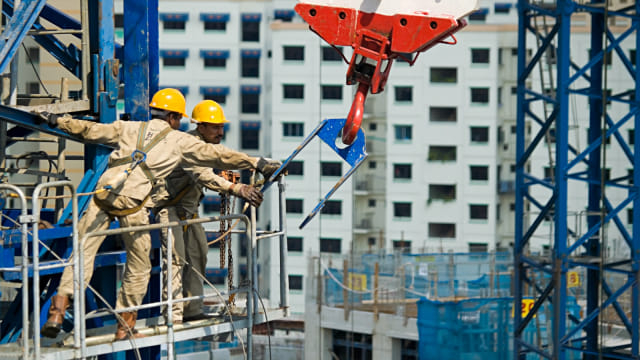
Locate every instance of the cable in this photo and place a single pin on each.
(35, 70)
(117, 316)
(266, 319)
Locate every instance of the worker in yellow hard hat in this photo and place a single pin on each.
(145, 152)
(184, 190)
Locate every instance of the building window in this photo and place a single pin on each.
(173, 25)
(294, 206)
(479, 56)
(331, 54)
(332, 207)
(250, 103)
(403, 93)
(250, 67)
(295, 282)
(402, 209)
(479, 134)
(442, 192)
(409, 350)
(293, 91)
(215, 63)
(33, 54)
(480, 95)
(294, 243)
(250, 139)
(220, 99)
(331, 92)
(283, 15)
(501, 8)
(371, 203)
(444, 75)
(442, 230)
(479, 172)
(292, 129)
(630, 216)
(350, 345)
(403, 246)
(173, 61)
(372, 164)
(294, 53)
(442, 153)
(215, 26)
(632, 136)
(402, 132)
(330, 168)
(373, 126)
(330, 245)
(118, 21)
(479, 15)
(478, 247)
(33, 87)
(402, 171)
(632, 56)
(443, 114)
(295, 167)
(478, 212)
(251, 27)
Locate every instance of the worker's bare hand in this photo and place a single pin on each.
(252, 195)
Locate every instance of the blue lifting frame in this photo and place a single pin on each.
(567, 340)
(354, 155)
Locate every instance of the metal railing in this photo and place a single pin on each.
(80, 345)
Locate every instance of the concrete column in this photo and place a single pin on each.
(383, 347)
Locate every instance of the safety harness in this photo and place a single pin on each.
(137, 158)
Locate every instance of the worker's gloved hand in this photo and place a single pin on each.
(47, 117)
(252, 195)
(268, 167)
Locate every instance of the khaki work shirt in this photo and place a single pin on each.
(176, 149)
(190, 179)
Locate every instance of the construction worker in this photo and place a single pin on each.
(145, 152)
(179, 199)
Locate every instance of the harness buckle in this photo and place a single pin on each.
(138, 157)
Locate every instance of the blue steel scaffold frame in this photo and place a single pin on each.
(570, 335)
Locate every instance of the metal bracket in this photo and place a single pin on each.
(26, 219)
(354, 154)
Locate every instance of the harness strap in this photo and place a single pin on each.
(144, 149)
(124, 212)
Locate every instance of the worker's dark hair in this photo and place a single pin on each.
(164, 114)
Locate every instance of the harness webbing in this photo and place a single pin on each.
(144, 149)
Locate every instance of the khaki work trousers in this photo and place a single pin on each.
(177, 261)
(196, 249)
(137, 245)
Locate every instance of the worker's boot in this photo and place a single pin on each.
(126, 326)
(59, 304)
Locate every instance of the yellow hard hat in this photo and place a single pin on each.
(169, 99)
(208, 111)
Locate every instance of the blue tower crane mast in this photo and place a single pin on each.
(612, 284)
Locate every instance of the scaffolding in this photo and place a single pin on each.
(87, 340)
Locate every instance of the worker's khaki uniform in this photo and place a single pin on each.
(179, 199)
(183, 191)
(175, 149)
